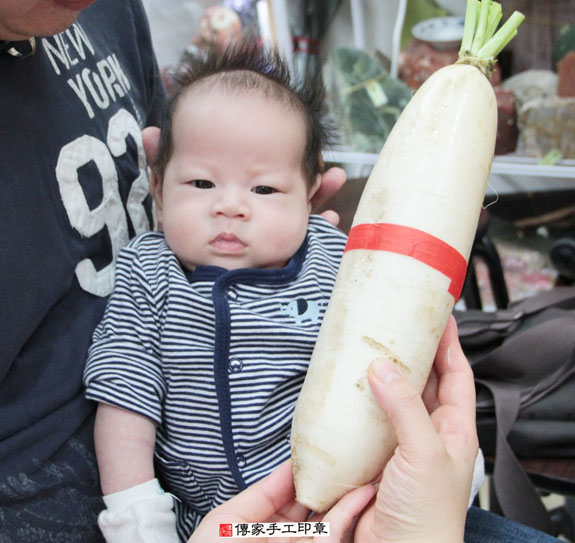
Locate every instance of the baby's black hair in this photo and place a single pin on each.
(248, 65)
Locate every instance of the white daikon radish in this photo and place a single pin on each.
(403, 267)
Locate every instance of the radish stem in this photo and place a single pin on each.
(471, 12)
(481, 44)
(480, 31)
(495, 15)
(503, 36)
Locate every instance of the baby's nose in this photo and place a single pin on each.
(231, 204)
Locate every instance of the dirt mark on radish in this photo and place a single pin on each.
(303, 444)
(388, 353)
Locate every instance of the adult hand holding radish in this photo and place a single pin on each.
(403, 267)
(423, 491)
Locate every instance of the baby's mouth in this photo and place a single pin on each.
(228, 243)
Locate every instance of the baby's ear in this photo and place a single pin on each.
(313, 189)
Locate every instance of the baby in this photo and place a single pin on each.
(207, 337)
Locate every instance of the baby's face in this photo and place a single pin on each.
(234, 193)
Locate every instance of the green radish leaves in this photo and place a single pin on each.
(481, 43)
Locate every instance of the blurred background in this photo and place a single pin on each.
(374, 54)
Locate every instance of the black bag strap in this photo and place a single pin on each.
(555, 297)
(480, 329)
(536, 360)
(526, 367)
(515, 492)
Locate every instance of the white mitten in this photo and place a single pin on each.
(140, 514)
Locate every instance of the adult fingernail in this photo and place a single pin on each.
(385, 371)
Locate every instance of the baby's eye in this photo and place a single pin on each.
(263, 189)
(202, 184)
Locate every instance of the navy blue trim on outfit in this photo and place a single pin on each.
(225, 279)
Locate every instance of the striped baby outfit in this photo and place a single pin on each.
(216, 358)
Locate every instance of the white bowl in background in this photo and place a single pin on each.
(440, 32)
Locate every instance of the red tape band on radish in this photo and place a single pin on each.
(411, 242)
